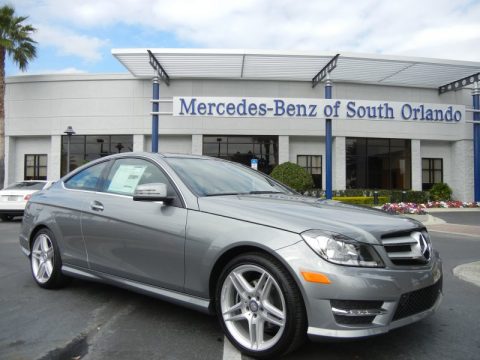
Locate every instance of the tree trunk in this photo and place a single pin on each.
(2, 116)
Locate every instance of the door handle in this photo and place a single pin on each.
(96, 206)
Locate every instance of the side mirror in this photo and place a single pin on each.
(152, 192)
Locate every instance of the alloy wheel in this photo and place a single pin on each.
(253, 307)
(42, 258)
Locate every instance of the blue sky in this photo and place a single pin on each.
(77, 36)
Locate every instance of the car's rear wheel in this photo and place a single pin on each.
(45, 261)
(260, 307)
(6, 217)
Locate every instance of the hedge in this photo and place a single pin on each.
(394, 196)
(361, 200)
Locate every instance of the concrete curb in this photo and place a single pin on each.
(468, 272)
(426, 219)
(440, 210)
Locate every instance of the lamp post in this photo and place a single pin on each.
(69, 133)
(219, 140)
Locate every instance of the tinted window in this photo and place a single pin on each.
(27, 185)
(87, 179)
(127, 174)
(214, 177)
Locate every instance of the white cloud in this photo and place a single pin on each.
(68, 42)
(66, 71)
(437, 28)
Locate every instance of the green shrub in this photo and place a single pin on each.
(361, 200)
(395, 196)
(418, 197)
(293, 176)
(440, 192)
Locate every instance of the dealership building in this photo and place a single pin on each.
(352, 120)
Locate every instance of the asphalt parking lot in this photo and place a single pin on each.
(94, 321)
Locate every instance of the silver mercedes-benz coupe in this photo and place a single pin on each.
(221, 238)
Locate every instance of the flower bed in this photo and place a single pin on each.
(419, 209)
(451, 204)
(404, 208)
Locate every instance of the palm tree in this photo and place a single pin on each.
(15, 41)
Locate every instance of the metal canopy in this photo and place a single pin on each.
(296, 66)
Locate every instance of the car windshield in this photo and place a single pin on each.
(26, 185)
(211, 177)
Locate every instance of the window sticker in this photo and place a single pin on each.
(126, 179)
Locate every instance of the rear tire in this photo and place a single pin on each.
(260, 307)
(45, 261)
(6, 217)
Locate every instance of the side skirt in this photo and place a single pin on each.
(192, 302)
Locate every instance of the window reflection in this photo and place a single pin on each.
(243, 149)
(378, 163)
(85, 148)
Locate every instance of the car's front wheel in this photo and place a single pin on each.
(45, 261)
(6, 217)
(260, 307)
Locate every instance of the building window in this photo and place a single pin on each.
(85, 148)
(378, 163)
(432, 172)
(35, 167)
(313, 165)
(243, 149)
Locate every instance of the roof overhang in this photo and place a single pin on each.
(296, 66)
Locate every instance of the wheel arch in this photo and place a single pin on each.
(35, 232)
(231, 253)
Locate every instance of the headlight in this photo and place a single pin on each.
(340, 249)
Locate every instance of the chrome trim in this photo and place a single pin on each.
(78, 273)
(359, 312)
(186, 300)
(418, 242)
(169, 176)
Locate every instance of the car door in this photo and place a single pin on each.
(136, 240)
(67, 201)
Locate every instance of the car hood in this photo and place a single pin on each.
(298, 214)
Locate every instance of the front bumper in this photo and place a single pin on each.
(393, 292)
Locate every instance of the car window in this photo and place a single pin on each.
(127, 174)
(211, 177)
(87, 179)
(27, 185)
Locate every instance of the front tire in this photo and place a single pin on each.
(6, 217)
(45, 261)
(260, 307)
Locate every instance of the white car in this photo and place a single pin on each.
(13, 198)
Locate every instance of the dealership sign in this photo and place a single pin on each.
(316, 108)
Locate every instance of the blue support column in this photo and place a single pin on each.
(155, 108)
(328, 145)
(476, 142)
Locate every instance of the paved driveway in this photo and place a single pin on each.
(94, 321)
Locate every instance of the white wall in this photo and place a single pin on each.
(443, 150)
(308, 145)
(181, 144)
(40, 106)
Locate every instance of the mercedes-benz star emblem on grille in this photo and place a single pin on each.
(423, 245)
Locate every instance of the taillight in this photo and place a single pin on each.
(27, 197)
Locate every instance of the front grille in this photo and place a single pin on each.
(418, 301)
(356, 304)
(406, 248)
(361, 305)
